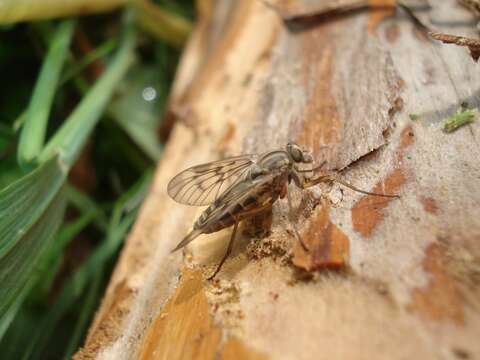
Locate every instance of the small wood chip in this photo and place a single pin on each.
(472, 44)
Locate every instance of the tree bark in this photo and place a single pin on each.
(367, 92)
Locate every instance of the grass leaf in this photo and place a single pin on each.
(93, 55)
(85, 205)
(50, 264)
(124, 214)
(23, 202)
(161, 23)
(18, 266)
(85, 313)
(70, 138)
(137, 113)
(459, 119)
(35, 124)
(21, 10)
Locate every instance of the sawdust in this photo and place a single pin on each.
(224, 303)
(277, 248)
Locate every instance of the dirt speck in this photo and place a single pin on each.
(461, 353)
(392, 32)
(429, 205)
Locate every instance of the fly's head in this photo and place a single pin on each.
(298, 155)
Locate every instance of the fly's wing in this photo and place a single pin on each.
(203, 184)
(239, 194)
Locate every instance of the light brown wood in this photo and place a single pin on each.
(185, 324)
(406, 284)
(185, 330)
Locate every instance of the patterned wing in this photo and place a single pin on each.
(203, 184)
(243, 194)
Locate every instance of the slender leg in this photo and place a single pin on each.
(294, 224)
(350, 186)
(333, 178)
(227, 253)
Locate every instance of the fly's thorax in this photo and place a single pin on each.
(255, 172)
(275, 161)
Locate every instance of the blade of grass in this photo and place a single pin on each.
(18, 267)
(14, 308)
(19, 121)
(9, 169)
(123, 216)
(32, 136)
(138, 116)
(84, 204)
(15, 338)
(21, 10)
(89, 304)
(97, 53)
(50, 264)
(69, 139)
(161, 23)
(6, 131)
(24, 201)
(459, 119)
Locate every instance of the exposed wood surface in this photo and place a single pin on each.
(385, 278)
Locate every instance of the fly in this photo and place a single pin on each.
(240, 187)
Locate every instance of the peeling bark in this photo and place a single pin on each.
(385, 276)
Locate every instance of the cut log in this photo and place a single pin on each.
(367, 92)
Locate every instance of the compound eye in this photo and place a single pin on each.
(295, 152)
(297, 155)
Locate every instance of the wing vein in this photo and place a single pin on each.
(203, 184)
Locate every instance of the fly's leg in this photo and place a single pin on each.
(259, 224)
(294, 224)
(227, 253)
(333, 178)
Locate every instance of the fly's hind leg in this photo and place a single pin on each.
(227, 253)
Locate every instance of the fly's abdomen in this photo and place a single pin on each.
(241, 202)
(236, 212)
(201, 221)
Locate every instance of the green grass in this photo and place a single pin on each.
(81, 102)
(460, 118)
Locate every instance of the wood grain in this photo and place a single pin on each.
(183, 329)
(346, 87)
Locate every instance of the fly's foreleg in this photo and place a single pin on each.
(331, 178)
(306, 183)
